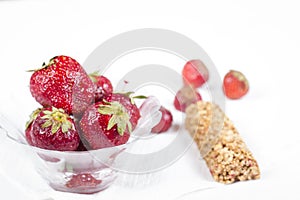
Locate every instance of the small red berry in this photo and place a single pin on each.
(186, 96)
(165, 121)
(195, 73)
(235, 84)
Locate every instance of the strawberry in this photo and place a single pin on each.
(235, 84)
(104, 87)
(195, 73)
(186, 96)
(62, 83)
(53, 129)
(165, 121)
(107, 124)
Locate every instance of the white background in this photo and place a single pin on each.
(259, 38)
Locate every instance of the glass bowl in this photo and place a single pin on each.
(83, 172)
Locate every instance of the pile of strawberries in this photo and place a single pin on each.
(79, 111)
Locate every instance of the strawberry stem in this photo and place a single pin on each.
(57, 118)
(44, 65)
(119, 116)
(129, 95)
(93, 76)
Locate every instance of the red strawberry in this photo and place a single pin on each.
(53, 129)
(165, 121)
(62, 83)
(186, 96)
(104, 87)
(107, 124)
(235, 84)
(83, 180)
(195, 73)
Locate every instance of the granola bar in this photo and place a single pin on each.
(226, 155)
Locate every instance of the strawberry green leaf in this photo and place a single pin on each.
(60, 110)
(93, 76)
(95, 73)
(106, 110)
(46, 117)
(47, 124)
(128, 94)
(119, 116)
(55, 127)
(112, 122)
(137, 97)
(121, 127)
(65, 127)
(52, 61)
(56, 118)
(47, 112)
(121, 130)
(129, 126)
(140, 97)
(33, 116)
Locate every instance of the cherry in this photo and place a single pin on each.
(165, 122)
